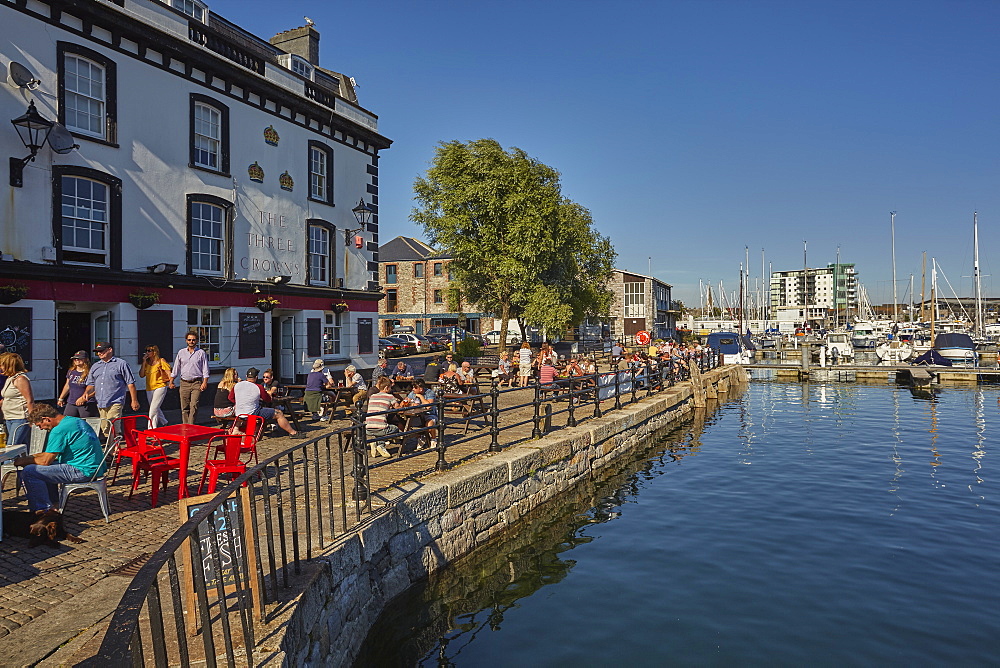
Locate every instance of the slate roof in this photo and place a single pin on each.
(406, 249)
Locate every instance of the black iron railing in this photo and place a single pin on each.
(251, 540)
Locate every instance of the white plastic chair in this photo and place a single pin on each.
(97, 484)
(35, 445)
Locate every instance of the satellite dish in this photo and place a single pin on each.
(22, 76)
(60, 140)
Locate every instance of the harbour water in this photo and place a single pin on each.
(799, 524)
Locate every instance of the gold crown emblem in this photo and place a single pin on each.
(271, 135)
(285, 181)
(256, 172)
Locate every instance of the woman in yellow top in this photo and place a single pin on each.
(156, 371)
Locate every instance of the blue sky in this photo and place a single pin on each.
(694, 129)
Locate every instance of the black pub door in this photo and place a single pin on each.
(73, 334)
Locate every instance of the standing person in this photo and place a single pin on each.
(74, 394)
(315, 382)
(223, 407)
(191, 366)
(156, 371)
(72, 454)
(109, 379)
(248, 397)
(17, 398)
(523, 364)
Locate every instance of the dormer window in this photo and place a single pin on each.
(193, 8)
(298, 64)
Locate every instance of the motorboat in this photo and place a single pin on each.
(839, 346)
(893, 352)
(863, 335)
(957, 347)
(731, 346)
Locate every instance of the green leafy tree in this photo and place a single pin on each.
(519, 248)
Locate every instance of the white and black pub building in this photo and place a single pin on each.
(185, 175)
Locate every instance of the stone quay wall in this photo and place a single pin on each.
(431, 522)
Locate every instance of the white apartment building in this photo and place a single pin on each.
(814, 297)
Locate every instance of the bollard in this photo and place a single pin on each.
(548, 419)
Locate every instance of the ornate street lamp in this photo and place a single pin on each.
(33, 129)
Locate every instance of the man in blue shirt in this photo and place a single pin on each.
(403, 371)
(107, 381)
(72, 454)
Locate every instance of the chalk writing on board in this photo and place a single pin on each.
(226, 522)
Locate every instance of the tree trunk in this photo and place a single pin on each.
(504, 320)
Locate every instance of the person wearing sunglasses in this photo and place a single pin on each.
(191, 367)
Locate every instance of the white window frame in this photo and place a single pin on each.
(207, 136)
(80, 91)
(199, 235)
(86, 221)
(634, 303)
(192, 8)
(319, 181)
(333, 327)
(208, 323)
(319, 255)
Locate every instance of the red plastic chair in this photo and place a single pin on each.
(155, 462)
(232, 446)
(251, 434)
(126, 446)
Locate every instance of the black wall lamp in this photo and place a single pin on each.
(33, 129)
(362, 213)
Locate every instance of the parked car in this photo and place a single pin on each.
(388, 349)
(440, 342)
(460, 334)
(406, 347)
(493, 338)
(436, 344)
(422, 344)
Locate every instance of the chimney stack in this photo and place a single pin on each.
(302, 42)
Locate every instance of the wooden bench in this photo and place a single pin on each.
(485, 363)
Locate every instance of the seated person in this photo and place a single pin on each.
(421, 395)
(248, 396)
(222, 406)
(433, 369)
(403, 371)
(72, 454)
(354, 380)
(466, 374)
(547, 376)
(616, 352)
(316, 382)
(381, 369)
(378, 425)
(449, 359)
(268, 382)
(573, 368)
(505, 370)
(449, 382)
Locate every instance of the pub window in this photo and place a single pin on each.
(320, 254)
(209, 140)
(208, 323)
(87, 217)
(320, 171)
(332, 328)
(208, 232)
(87, 93)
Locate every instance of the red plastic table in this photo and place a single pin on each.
(185, 435)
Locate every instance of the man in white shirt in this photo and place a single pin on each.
(191, 366)
(248, 397)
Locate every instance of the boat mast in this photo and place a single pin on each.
(892, 225)
(923, 284)
(975, 271)
(933, 297)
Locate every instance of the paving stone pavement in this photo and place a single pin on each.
(35, 581)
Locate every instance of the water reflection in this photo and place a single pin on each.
(432, 622)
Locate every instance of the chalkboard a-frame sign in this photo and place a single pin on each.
(226, 520)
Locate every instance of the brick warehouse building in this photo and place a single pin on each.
(416, 282)
(211, 167)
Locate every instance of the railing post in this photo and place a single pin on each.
(597, 395)
(571, 419)
(494, 416)
(360, 470)
(635, 382)
(649, 379)
(440, 464)
(618, 389)
(537, 431)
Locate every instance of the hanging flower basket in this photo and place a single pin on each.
(143, 300)
(12, 293)
(266, 304)
(340, 307)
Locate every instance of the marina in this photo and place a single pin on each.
(797, 524)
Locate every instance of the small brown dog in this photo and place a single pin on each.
(44, 527)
